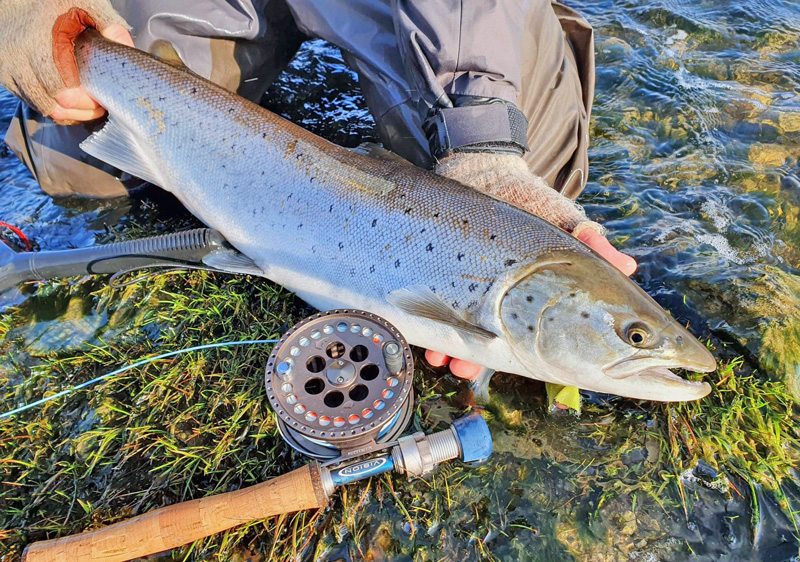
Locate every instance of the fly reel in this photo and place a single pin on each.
(340, 383)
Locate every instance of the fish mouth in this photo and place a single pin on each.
(658, 382)
(665, 386)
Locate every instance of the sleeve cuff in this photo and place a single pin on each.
(493, 125)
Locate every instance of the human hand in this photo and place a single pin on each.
(507, 177)
(37, 62)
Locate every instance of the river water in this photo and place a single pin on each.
(694, 170)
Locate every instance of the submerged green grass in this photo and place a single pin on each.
(622, 479)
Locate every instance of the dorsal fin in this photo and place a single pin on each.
(379, 153)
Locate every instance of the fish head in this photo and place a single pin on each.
(583, 323)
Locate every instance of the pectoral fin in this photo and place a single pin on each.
(117, 145)
(419, 300)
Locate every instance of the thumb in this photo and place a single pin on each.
(117, 33)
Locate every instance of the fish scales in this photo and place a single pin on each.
(339, 228)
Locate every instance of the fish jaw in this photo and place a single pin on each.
(650, 376)
(658, 384)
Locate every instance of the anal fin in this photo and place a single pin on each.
(232, 261)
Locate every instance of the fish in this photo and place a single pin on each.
(455, 270)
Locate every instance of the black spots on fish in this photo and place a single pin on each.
(473, 304)
(372, 268)
(465, 221)
(509, 263)
(397, 263)
(162, 98)
(408, 211)
(514, 315)
(422, 231)
(429, 247)
(194, 91)
(374, 223)
(572, 294)
(436, 214)
(330, 209)
(472, 287)
(530, 328)
(311, 179)
(550, 319)
(584, 314)
(453, 284)
(488, 287)
(263, 172)
(459, 256)
(493, 236)
(341, 245)
(124, 64)
(529, 298)
(231, 109)
(402, 196)
(455, 304)
(352, 272)
(263, 135)
(299, 226)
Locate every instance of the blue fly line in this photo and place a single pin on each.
(77, 387)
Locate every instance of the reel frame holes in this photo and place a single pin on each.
(331, 388)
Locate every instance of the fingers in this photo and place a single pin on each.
(597, 242)
(436, 359)
(118, 33)
(74, 104)
(465, 370)
(63, 114)
(460, 368)
(75, 98)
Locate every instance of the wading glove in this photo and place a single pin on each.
(507, 177)
(36, 45)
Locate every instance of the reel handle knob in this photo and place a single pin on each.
(475, 438)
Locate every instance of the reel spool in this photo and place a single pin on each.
(341, 381)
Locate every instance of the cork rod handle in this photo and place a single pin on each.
(176, 525)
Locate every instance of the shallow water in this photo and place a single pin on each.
(695, 145)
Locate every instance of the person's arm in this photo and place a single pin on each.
(37, 63)
(465, 60)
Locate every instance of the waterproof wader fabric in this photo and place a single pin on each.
(409, 55)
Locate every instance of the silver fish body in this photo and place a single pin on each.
(439, 260)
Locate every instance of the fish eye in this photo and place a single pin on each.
(638, 334)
